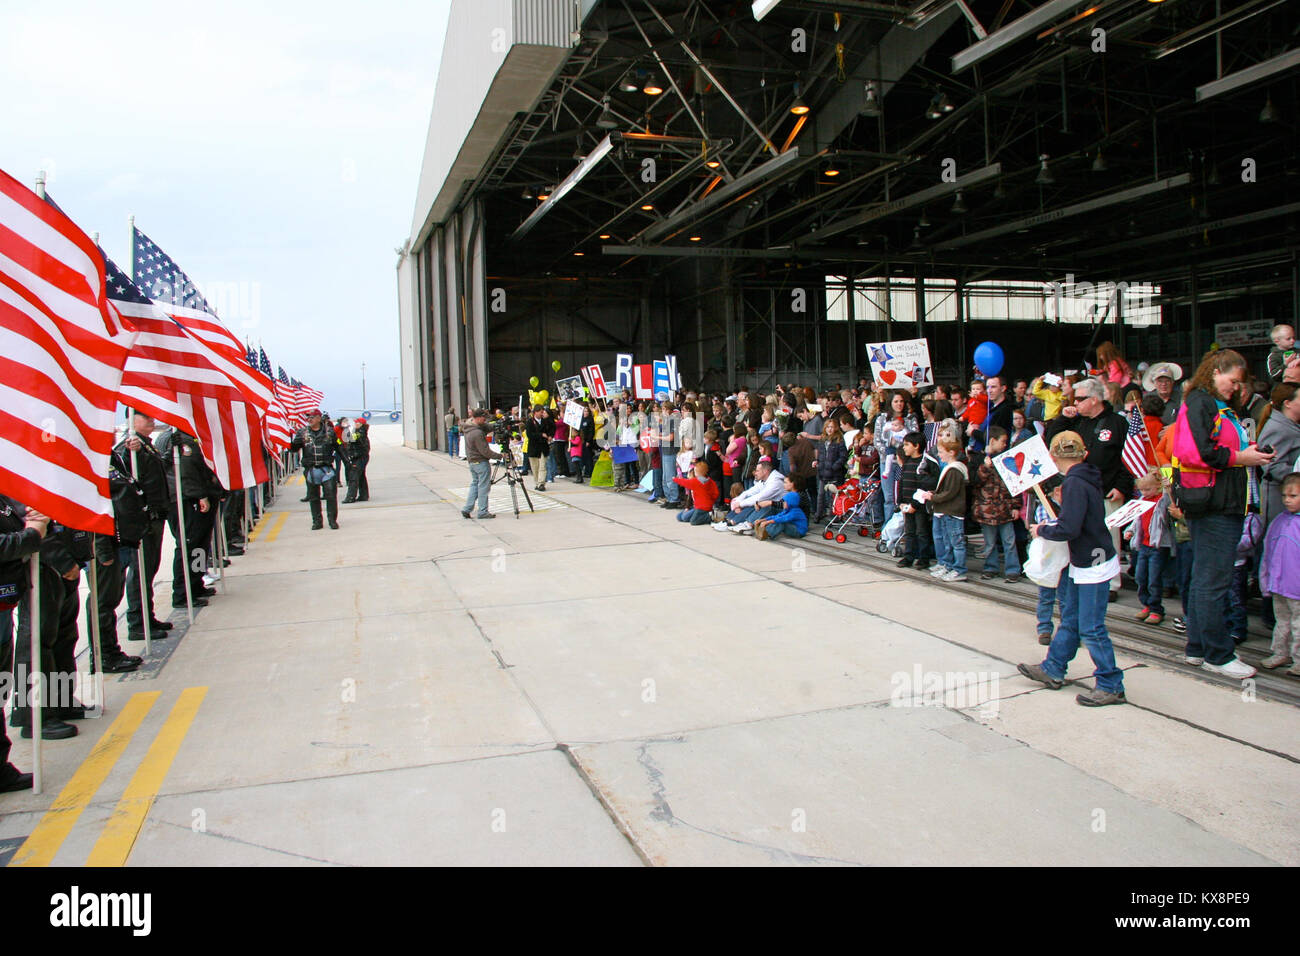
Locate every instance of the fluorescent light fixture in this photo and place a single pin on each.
(1031, 22)
(562, 190)
(1251, 74)
(763, 7)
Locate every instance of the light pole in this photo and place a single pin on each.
(394, 392)
(363, 386)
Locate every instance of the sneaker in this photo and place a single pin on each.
(1143, 614)
(1233, 668)
(1274, 661)
(1293, 670)
(720, 526)
(1100, 698)
(482, 517)
(542, 487)
(651, 500)
(1194, 661)
(1045, 638)
(922, 565)
(956, 577)
(988, 575)
(1012, 579)
(904, 562)
(1155, 618)
(1112, 597)
(1036, 672)
(938, 570)
(745, 527)
(1180, 625)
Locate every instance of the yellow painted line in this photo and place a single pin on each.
(275, 529)
(39, 848)
(119, 836)
(261, 523)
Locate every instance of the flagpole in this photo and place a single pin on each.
(96, 655)
(34, 696)
(221, 546)
(180, 525)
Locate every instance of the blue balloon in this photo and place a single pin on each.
(989, 358)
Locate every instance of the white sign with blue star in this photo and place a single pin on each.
(902, 363)
(1025, 465)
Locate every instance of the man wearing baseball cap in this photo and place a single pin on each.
(480, 457)
(318, 443)
(1160, 379)
(1084, 585)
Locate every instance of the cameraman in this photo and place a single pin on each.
(537, 431)
(480, 468)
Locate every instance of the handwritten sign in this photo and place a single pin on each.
(573, 415)
(569, 389)
(902, 363)
(1134, 509)
(1026, 465)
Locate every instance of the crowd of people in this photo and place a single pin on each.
(1222, 447)
(159, 480)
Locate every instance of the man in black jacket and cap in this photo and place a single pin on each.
(199, 492)
(319, 447)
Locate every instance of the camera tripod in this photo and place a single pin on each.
(510, 472)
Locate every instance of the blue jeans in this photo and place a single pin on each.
(1006, 533)
(950, 542)
(667, 471)
(1046, 601)
(1214, 549)
(1149, 572)
(1083, 618)
(786, 528)
(693, 515)
(480, 480)
(1183, 558)
(751, 514)
(1235, 612)
(888, 488)
(453, 441)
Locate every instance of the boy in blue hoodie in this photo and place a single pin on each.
(1084, 589)
(791, 521)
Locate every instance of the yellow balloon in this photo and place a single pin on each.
(532, 382)
(555, 366)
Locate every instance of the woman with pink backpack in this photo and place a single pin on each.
(1210, 457)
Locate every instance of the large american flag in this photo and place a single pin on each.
(1139, 453)
(61, 355)
(235, 426)
(290, 397)
(180, 380)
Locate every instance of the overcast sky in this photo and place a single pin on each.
(272, 151)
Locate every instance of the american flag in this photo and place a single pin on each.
(288, 394)
(239, 457)
(1138, 454)
(276, 426)
(61, 355)
(178, 379)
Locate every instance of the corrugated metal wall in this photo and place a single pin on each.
(545, 22)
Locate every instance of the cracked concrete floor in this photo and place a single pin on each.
(596, 684)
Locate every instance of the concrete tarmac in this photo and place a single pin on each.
(595, 683)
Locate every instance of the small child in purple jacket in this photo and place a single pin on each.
(1279, 575)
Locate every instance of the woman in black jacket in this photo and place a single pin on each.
(832, 463)
(1214, 513)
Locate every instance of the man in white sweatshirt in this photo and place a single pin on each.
(762, 500)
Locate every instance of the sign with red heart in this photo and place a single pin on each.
(888, 376)
(901, 363)
(1026, 465)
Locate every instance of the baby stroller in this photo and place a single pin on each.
(852, 508)
(891, 535)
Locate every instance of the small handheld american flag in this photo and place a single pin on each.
(1138, 450)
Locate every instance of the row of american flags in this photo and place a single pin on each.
(78, 338)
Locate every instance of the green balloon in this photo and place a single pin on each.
(555, 366)
(532, 382)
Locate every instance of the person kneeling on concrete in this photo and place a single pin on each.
(1084, 586)
(703, 494)
(791, 522)
(761, 500)
(480, 457)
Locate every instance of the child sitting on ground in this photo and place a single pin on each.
(703, 495)
(792, 521)
(1150, 538)
(1279, 575)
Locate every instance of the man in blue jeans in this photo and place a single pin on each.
(1084, 588)
(480, 465)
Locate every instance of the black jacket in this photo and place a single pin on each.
(1103, 436)
(539, 435)
(152, 476)
(66, 548)
(318, 447)
(1082, 518)
(197, 479)
(832, 461)
(918, 474)
(17, 543)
